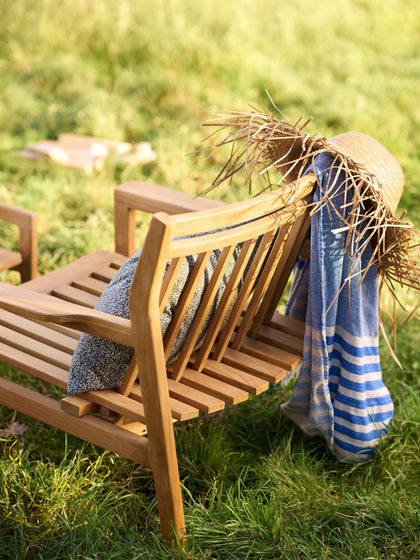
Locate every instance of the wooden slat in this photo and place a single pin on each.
(35, 366)
(168, 281)
(241, 300)
(33, 347)
(73, 295)
(288, 325)
(271, 354)
(261, 368)
(202, 312)
(180, 411)
(184, 301)
(38, 331)
(280, 277)
(236, 377)
(91, 285)
(265, 275)
(66, 331)
(130, 377)
(81, 268)
(116, 402)
(224, 305)
(106, 273)
(198, 399)
(281, 340)
(219, 389)
(305, 251)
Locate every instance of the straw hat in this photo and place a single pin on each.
(377, 160)
(280, 152)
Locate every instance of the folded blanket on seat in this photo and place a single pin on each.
(339, 393)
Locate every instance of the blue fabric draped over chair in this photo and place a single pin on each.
(339, 393)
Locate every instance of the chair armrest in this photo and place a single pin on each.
(146, 197)
(26, 221)
(46, 308)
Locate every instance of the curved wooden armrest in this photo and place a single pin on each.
(146, 197)
(46, 308)
(26, 221)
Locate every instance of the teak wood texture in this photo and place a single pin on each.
(25, 260)
(247, 344)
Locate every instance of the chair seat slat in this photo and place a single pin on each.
(117, 403)
(35, 366)
(281, 340)
(196, 398)
(261, 368)
(73, 295)
(91, 285)
(288, 325)
(107, 273)
(219, 389)
(236, 377)
(47, 352)
(38, 331)
(180, 411)
(284, 359)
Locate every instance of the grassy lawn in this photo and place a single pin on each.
(254, 486)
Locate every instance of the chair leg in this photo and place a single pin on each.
(168, 489)
(162, 454)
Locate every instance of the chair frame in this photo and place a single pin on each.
(253, 347)
(25, 261)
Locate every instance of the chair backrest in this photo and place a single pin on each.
(238, 260)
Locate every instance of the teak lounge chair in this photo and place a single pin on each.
(26, 259)
(242, 352)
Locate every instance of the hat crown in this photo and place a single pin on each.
(376, 160)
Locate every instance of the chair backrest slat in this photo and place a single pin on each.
(185, 300)
(263, 280)
(225, 305)
(169, 280)
(202, 312)
(246, 289)
(281, 275)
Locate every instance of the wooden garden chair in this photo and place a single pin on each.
(242, 352)
(25, 260)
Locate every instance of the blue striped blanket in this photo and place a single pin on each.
(339, 393)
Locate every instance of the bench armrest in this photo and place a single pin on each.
(46, 308)
(146, 197)
(26, 221)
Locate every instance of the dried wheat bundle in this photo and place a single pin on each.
(280, 152)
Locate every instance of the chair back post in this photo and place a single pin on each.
(144, 310)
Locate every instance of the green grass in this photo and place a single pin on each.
(254, 486)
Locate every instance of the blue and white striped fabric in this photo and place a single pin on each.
(339, 393)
